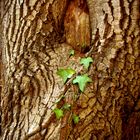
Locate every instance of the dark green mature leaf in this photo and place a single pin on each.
(58, 113)
(65, 73)
(86, 62)
(82, 80)
(75, 118)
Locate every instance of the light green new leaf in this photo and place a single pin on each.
(86, 62)
(82, 80)
(65, 73)
(58, 113)
(66, 106)
(71, 53)
(75, 118)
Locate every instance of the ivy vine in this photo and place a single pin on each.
(81, 80)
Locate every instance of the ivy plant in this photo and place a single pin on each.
(86, 62)
(66, 106)
(71, 53)
(82, 80)
(58, 113)
(65, 73)
(75, 118)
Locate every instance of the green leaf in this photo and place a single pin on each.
(71, 53)
(86, 62)
(75, 118)
(82, 80)
(65, 73)
(66, 106)
(58, 113)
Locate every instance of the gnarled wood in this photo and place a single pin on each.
(34, 47)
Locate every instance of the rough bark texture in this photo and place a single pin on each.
(34, 47)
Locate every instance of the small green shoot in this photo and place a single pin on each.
(58, 113)
(65, 73)
(71, 53)
(82, 80)
(66, 106)
(75, 118)
(86, 62)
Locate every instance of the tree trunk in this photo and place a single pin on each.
(35, 41)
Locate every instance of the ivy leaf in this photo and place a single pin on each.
(65, 73)
(86, 62)
(82, 80)
(66, 106)
(75, 119)
(71, 53)
(58, 113)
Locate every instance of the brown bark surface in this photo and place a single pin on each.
(35, 41)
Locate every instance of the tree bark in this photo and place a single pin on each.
(35, 43)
